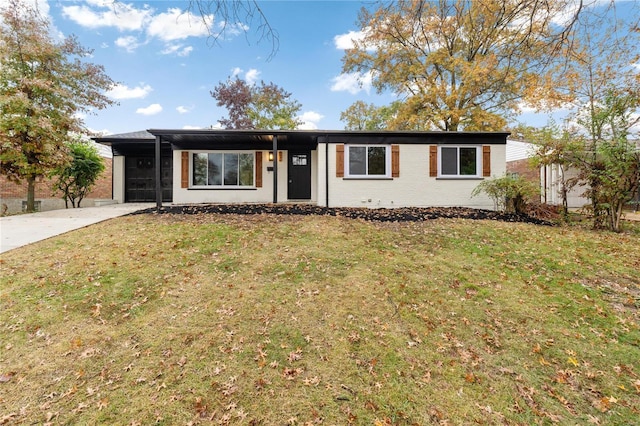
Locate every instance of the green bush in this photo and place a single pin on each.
(509, 193)
(76, 178)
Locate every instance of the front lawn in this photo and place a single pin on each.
(265, 319)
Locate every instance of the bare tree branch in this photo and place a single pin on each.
(231, 16)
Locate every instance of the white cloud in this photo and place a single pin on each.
(123, 16)
(183, 109)
(169, 26)
(232, 29)
(345, 41)
(236, 71)
(122, 91)
(177, 49)
(252, 76)
(310, 120)
(188, 127)
(128, 43)
(353, 83)
(178, 25)
(150, 110)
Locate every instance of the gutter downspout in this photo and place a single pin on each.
(158, 175)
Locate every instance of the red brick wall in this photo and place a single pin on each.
(524, 169)
(9, 191)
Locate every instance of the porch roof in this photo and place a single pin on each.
(194, 138)
(263, 139)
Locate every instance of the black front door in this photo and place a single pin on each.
(299, 173)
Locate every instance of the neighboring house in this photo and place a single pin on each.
(327, 168)
(549, 178)
(13, 197)
(518, 157)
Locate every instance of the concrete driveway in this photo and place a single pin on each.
(20, 230)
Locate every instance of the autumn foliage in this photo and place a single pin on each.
(45, 86)
(463, 65)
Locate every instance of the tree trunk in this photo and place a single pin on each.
(31, 194)
(616, 216)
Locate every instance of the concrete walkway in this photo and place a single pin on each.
(20, 230)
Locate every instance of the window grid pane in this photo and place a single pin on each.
(468, 163)
(377, 161)
(246, 169)
(357, 160)
(215, 169)
(230, 169)
(199, 169)
(449, 160)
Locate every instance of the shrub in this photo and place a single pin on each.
(509, 193)
(76, 178)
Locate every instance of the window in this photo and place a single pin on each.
(223, 169)
(367, 161)
(463, 161)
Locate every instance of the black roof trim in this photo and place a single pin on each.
(194, 138)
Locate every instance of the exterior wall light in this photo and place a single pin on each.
(270, 157)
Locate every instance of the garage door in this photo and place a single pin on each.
(140, 186)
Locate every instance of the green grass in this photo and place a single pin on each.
(321, 320)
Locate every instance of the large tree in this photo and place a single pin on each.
(44, 86)
(263, 106)
(460, 64)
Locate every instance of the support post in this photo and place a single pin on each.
(158, 176)
(275, 169)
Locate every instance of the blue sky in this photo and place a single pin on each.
(166, 63)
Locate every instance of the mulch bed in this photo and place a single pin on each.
(413, 214)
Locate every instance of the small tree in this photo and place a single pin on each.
(509, 193)
(76, 179)
(266, 106)
(617, 173)
(555, 147)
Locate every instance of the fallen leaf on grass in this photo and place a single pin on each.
(5, 377)
(604, 404)
(103, 403)
(7, 418)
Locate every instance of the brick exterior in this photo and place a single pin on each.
(523, 168)
(12, 195)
